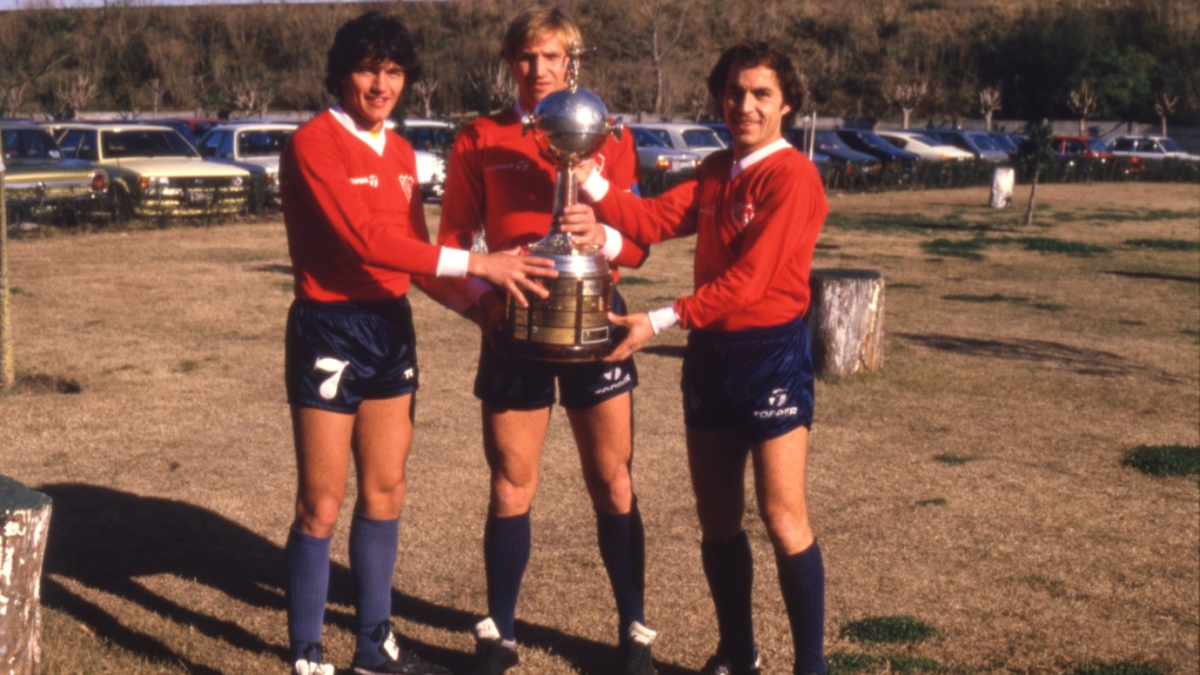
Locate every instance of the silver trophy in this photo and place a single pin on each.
(571, 325)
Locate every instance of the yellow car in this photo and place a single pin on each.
(155, 172)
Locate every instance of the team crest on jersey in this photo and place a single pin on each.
(406, 184)
(743, 214)
(371, 180)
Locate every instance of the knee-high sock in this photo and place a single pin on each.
(729, 568)
(506, 545)
(307, 589)
(373, 545)
(802, 579)
(623, 550)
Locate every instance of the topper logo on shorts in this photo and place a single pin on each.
(329, 387)
(406, 184)
(618, 377)
(778, 406)
(371, 180)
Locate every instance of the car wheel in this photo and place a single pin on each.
(122, 205)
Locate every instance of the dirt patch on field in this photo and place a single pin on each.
(974, 485)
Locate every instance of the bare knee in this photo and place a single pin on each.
(789, 532)
(719, 519)
(612, 491)
(511, 498)
(317, 516)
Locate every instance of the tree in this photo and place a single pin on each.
(1164, 104)
(658, 13)
(1083, 103)
(75, 94)
(423, 91)
(907, 97)
(1036, 154)
(989, 103)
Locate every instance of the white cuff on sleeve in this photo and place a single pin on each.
(595, 187)
(663, 318)
(612, 243)
(453, 262)
(476, 288)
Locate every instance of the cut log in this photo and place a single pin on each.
(845, 320)
(24, 523)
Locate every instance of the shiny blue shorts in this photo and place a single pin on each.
(757, 381)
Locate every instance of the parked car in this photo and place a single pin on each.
(1077, 147)
(40, 182)
(655, 155)
(155, 172)
(693, 138)
(979, 143)
(841, 157)
(431, 141)
(1007, 142)
(1149, 148)
(870, 143)
(722, 132)
(254, 147)
(926, 148)
(191, 128)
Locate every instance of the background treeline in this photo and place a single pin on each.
(1136, 60)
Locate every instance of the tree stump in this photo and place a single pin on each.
(24, 524)
(845, 321)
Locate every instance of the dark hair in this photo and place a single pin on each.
(752, 54)
(374, 36)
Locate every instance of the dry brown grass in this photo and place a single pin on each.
(172, 467)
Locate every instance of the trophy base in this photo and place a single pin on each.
(552, 353)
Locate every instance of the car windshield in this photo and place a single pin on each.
(644, 139)
(827, 140)
(984, 142)
(148, 143)
(267, 143)
(874, 141)
(429, 138)
(1097, 145)
(1005, 143)
(30, 143)
(927, 140)
(1170, 145)
(702, 138)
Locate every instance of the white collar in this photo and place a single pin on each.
(757, 156)
(376, 143)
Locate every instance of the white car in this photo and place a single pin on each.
(655, 155)
(431, 141)
(693, 138)
(252, 146)
(1148, 147)
(925, 147)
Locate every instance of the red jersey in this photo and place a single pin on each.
(498, 178)
(755, 235)
(355, 223)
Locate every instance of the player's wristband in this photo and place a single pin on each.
(595, 187)
(663, 318)
(612, 243)
(453, 262)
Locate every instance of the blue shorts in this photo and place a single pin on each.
(513, 383)
(757, 381)
(339, 353)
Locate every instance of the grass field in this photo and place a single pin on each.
(971, 498)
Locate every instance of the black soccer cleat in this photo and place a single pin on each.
(719, 665)
(396, 662)
(635, 652)
(492, 657)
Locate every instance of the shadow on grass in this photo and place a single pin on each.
(1081, 361)
(1153, 275)
(107, 540)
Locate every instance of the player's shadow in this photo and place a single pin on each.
(107, 540)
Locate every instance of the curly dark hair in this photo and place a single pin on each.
(373, 36)
(749, 54)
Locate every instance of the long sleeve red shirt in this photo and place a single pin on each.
(755, 235)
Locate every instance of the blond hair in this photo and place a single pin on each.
(534, 22)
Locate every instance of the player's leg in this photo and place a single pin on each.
(779, 473)
(604, 437)
(322, 440)
(717, 461)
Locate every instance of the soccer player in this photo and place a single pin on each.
(357, 235)
(756, 211)
(499, 183)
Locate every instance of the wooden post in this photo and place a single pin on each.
(24, 523)
(845, 320)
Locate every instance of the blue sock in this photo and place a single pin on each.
(373, 545)
(307, 589)
(506, 545)
(802, 579)
(729, 568)
(623, 550)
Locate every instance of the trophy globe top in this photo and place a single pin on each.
(572, 125)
